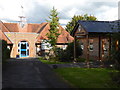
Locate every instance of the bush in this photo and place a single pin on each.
(81, 59)
(70, 50)
(68, 54)
(115, 58)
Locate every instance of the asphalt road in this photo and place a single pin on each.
(30, 73)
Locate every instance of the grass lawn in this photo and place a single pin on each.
(53, 62)
(87, 77)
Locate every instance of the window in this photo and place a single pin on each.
(45, 45)
(23, 46)
(91, 45)
(82, 46)
(64, 47)
(104, 45)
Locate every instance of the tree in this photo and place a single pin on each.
(54, 28)
(72, 23)
(5, 51)
(70, 50)
(115, 54)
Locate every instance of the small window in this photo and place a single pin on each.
(104, 45)
(82, 46)
(91, 45)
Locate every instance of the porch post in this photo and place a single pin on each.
(87, 48)
(99, 48)
(109, 46)
(102, 49)
(74, 48)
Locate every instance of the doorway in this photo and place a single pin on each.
(23, 49)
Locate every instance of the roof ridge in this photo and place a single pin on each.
(34, 23)
(10, 23)
(41, 28)
(93, 21)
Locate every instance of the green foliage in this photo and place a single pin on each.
(68, 53)
(115, 55)
(54, 31)
(72, 23)
(52, 61)
(70, 50)
(5, 51)
(54, 23)
(62, 55)
(81, 59)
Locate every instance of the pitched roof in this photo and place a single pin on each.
(64, 36)
(42, 26)
(33, 27)
(42, 29)
(98, 26)
(11, 27)
(4, 37)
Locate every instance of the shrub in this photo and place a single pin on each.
(115, 58)
(68, 54)
(81, 59)
(70, 50)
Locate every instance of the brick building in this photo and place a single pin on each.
(26, 40)
(94, 38)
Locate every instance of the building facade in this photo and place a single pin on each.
(26, 40)
(94, 37)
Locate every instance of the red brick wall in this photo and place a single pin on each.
(16, 37)
(94, 55)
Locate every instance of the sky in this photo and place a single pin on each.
(38, 11)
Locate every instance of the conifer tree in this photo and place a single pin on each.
(54, 28)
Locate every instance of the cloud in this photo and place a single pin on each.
(37, 11)
(38, 14)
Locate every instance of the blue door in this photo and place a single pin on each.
(24, 49)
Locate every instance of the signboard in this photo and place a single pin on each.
(81, 32)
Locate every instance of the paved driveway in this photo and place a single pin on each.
(30, 73)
